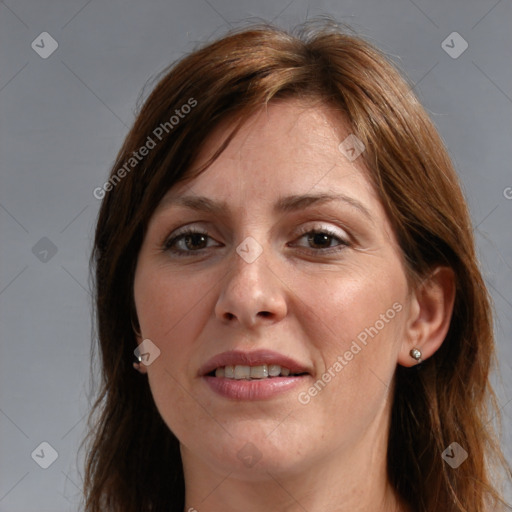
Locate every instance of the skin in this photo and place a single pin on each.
(296, 299)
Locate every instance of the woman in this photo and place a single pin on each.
(284, 247)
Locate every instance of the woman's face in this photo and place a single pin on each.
(257, 283)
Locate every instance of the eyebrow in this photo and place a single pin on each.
(283, 205)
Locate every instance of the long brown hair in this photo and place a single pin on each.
(133, 459)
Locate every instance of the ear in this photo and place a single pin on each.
(430, 315)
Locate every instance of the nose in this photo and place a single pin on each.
(252, 294)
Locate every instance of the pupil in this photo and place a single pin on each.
(319, 238)
(190, 239)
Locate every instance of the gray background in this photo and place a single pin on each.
(63, 118)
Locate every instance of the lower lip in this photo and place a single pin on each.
(258, 389)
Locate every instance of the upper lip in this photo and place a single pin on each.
(253, 358)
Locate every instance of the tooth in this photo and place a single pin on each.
(242, 372)
(259, 372)
(274, 370)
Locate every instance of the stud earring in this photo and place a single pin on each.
(137, 365)
(415, 353)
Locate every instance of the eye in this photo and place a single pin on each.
(190, 240)
(187, 241)
(320, 240)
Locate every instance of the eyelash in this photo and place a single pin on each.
(168, 244)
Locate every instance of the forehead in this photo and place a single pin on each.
(284, 131)
(288, 146)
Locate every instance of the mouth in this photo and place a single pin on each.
(260, 364)
(249, 376)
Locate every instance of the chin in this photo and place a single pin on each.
(252, 453)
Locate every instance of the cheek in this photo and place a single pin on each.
(355, 330)
(167, 305)
(169, 310)
(353, 306)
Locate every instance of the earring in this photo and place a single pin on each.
(137, 365)
(415, 353)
